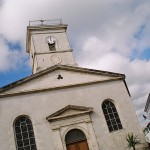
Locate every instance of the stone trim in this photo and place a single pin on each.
(55, 116)
(56, 88)
(82, 122)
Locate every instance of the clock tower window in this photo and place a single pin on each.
(51, 47)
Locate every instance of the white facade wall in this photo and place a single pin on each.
(40, 105)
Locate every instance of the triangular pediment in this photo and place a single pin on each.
(59, 76)
(69, 111)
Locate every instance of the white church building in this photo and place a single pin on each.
(62, 106)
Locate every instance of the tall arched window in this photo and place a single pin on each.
(24, 134)
(111, 116)
(76, 140)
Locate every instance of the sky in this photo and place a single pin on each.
(110, 35)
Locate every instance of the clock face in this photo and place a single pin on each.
(50, 40)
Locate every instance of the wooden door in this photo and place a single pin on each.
(81, 145)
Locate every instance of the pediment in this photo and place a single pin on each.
(69, 111)
(59, 77)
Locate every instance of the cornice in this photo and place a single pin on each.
(57, 115)
(41, 28)
(56, 88)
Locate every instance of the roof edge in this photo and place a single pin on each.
(65, 67)
(56, 88)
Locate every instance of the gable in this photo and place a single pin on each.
(56, 77)
(69, 111)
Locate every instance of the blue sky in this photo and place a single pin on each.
(14, 75)
(21, 70)
(145, 55)
(109, 35)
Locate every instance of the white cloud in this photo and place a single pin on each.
(10, 59)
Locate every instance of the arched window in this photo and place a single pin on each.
(111, 116)
(75, 139)
(24, 134)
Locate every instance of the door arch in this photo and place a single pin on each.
(76, 140)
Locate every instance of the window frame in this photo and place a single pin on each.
(111, 116)
(25, 133)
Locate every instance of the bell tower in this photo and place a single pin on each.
(48, 45)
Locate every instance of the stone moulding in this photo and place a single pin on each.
(81, 110)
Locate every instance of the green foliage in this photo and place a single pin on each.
(132, 140)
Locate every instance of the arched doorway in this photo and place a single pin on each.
(76, 140)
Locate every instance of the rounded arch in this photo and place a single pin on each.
(75, 138)
(109, 99)
(19, 116)
(111, 115)
(74, 135)
(74, 127)
(24, 134)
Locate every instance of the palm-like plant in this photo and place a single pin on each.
(132, 140)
